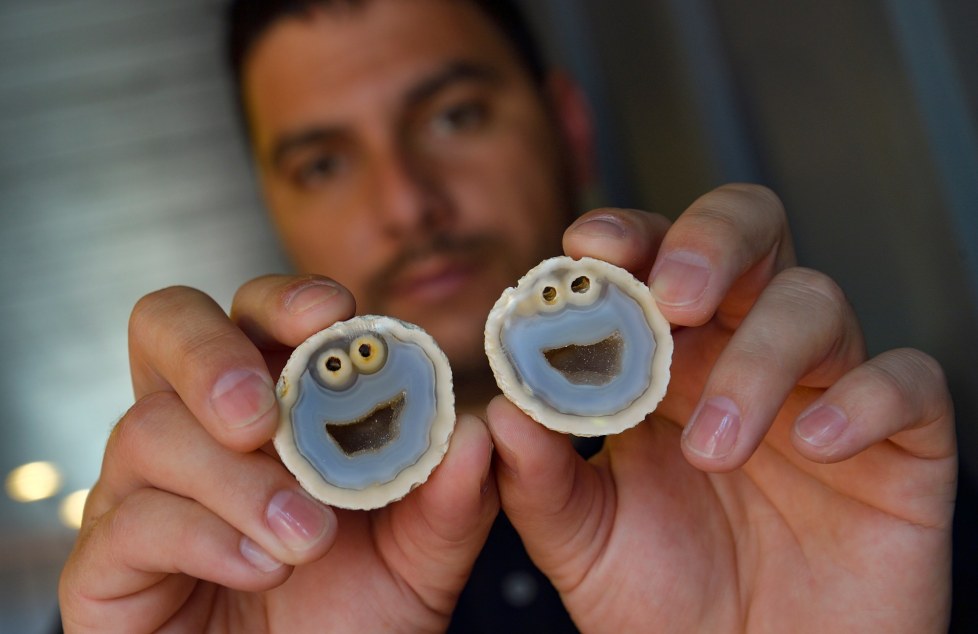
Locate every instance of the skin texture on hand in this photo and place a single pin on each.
(194, 524)
(786, 482)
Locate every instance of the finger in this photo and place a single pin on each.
(160, 445)
(719, 254)
(280, 311)
(440, 527)
(900, 395)
(459, 495)
(801, 330)
(181, 340)
(624, 237)
(137, 565)
(558, 503)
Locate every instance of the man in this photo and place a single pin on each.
(408, 152)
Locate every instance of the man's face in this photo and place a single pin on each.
(404, 152)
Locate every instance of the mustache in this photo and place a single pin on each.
(464, 248)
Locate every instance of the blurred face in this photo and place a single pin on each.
(404, 152)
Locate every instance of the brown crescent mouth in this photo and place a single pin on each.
(592, 364)
(370, 433)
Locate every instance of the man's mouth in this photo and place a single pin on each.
(432, 273)
(431, 280)
(369, 433)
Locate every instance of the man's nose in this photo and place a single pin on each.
(408, 195)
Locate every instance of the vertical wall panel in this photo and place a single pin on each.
(121, 172)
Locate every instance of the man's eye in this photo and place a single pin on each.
(318, 169)
(460, 118)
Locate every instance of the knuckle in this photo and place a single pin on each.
(915, 379)
(741, 198)
(894, 378)
(119, 521)
(150, 410)
(810, 301)
(201, 347)
(766, 196)
(761, 356)
(745, 224)
(128, 518)
(920, 363)
(718, 214)
(96, 502)
(152, 305)
(160, 312)
(142, 421)
(739, 212)
(812, 288)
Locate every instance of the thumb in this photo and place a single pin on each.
(561, 505)
(439, 529)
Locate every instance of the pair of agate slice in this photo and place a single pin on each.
(367, 407)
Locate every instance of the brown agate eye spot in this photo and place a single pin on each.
(581, 284)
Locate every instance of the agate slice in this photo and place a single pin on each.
(366, 411)
(580, 346)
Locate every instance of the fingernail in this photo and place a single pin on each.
(298, 521)
(310, 296)
(601, 227)
(680, 278)
(241, 397)
(822, 426)
(257, 556)
(714, 429)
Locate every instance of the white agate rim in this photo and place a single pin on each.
(378, 495)
(522, 395)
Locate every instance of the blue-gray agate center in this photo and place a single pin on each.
(526, 339)
(409, 372)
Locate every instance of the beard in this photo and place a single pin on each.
(465, 251)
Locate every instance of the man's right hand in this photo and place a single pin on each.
(195, 524)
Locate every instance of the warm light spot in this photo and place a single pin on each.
(33, 481)
(71, 508)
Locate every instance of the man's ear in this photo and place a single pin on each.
(575, 120)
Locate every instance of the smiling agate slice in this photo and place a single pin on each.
(580, 346)
(366, 411)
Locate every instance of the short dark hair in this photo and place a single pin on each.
(248, 20)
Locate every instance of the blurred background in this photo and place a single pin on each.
(122, 171)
